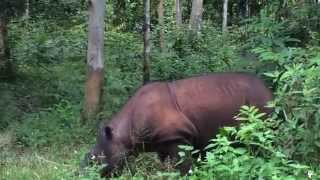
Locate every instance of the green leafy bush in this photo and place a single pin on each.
(296, 78)
(186, 55)
(249, 152)
(55, 126)
(43, 106)
(294, 73)
(8, 105)
(43, 43)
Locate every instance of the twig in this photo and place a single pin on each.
(52, 162)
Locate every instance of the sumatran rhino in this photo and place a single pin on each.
(162, 115)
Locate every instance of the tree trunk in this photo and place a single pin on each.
(95, 59)
(247, 9)
(6, 70)
(178, 13)
(225, 16)
(243, 8)
(27, 10)
(161, 24)
(196, 15)
(147, 45)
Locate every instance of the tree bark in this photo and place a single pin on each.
(147, 45)
(6, 70)
(95, 59)
(161, 24)
(178, 13)
(244, 8)
(225, 16)
(247, 9)
(196, 15)
(27, 10)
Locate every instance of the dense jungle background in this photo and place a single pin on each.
(43, 53)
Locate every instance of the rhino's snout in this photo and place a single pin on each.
(93, 158)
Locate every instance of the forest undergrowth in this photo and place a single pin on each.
(42, 135)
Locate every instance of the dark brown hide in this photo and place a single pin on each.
(162, 115)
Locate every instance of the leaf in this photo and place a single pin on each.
(210, 146)
(240, 151)
(195, 151)
(186, 147)
(315, 60)
(182, 154)
(258, 116)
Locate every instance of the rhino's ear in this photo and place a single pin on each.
(108, 132)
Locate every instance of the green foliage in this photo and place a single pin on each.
(272, 30)
(303, 18)
(62, 11)
(43, 43)
(10, 8)
(264, 30)
(54, 126)
(249, 152)
(8, 105)
(41, 132)
(186, 55)
(124, 63)
(125, 15)
(294, 72)
(51, 163)
(297, 79)
(188, 153)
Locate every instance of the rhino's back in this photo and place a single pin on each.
(212, 101)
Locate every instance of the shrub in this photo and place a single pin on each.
(55, 126)
(249, 152)
(296, 78)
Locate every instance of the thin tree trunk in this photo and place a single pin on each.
(247, 9)
(147, 45)
(27, 10)
(178, 13)
(196, 15)
(161, 24)
(95, 59)
(6, 70)
(225, 16)
(243, 7)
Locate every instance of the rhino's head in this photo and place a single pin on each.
(109, 151)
